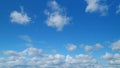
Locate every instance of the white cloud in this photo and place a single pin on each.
(118, 9)
(116, 46)
(88, 48)
(12, 53)
(112, 59)
(57, 17)
(71, 47)
(107, 56)
(92, 48)
(26, 38)
(98, 46)
(20, 17)
(28, 41)
(96, 6)
(33, 51)
(30, 60)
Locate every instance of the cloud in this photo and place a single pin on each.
(26, 38)
(12, 53)
(98, 46)
(71, 47)
(57, 17)
(35, 58)
(31, 51)
(92, 48)
(96, 6)
(118, 9)
(88, 48)
(112, 59)
(30, 60)
(107, 56)
(19, 17)
(116, 46)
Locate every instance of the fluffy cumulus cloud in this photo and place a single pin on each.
(71, 47)
(96, 6)
(36, 58)
(116, 46)
(88, 48)
(107, 56)
(19, 17)
(118, 9)
(98, 46)
(57, 17)
(112, 59)
(31, 58)
(33, 52)
(92, 48)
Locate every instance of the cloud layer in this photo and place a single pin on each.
(36, 58)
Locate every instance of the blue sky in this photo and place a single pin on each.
(62, 28)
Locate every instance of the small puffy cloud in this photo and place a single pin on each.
(71, 47)
(118, 9)
(96, 6)
(92, 48)
(116, 46)
(57, 17)
(33, 51)
(88, 48)
(19, 17)
(98, 46)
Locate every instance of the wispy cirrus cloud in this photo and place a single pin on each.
(57, 17)
(19, 17)
(118, 9)
(26, 38)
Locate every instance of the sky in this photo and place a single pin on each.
(60, 33)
